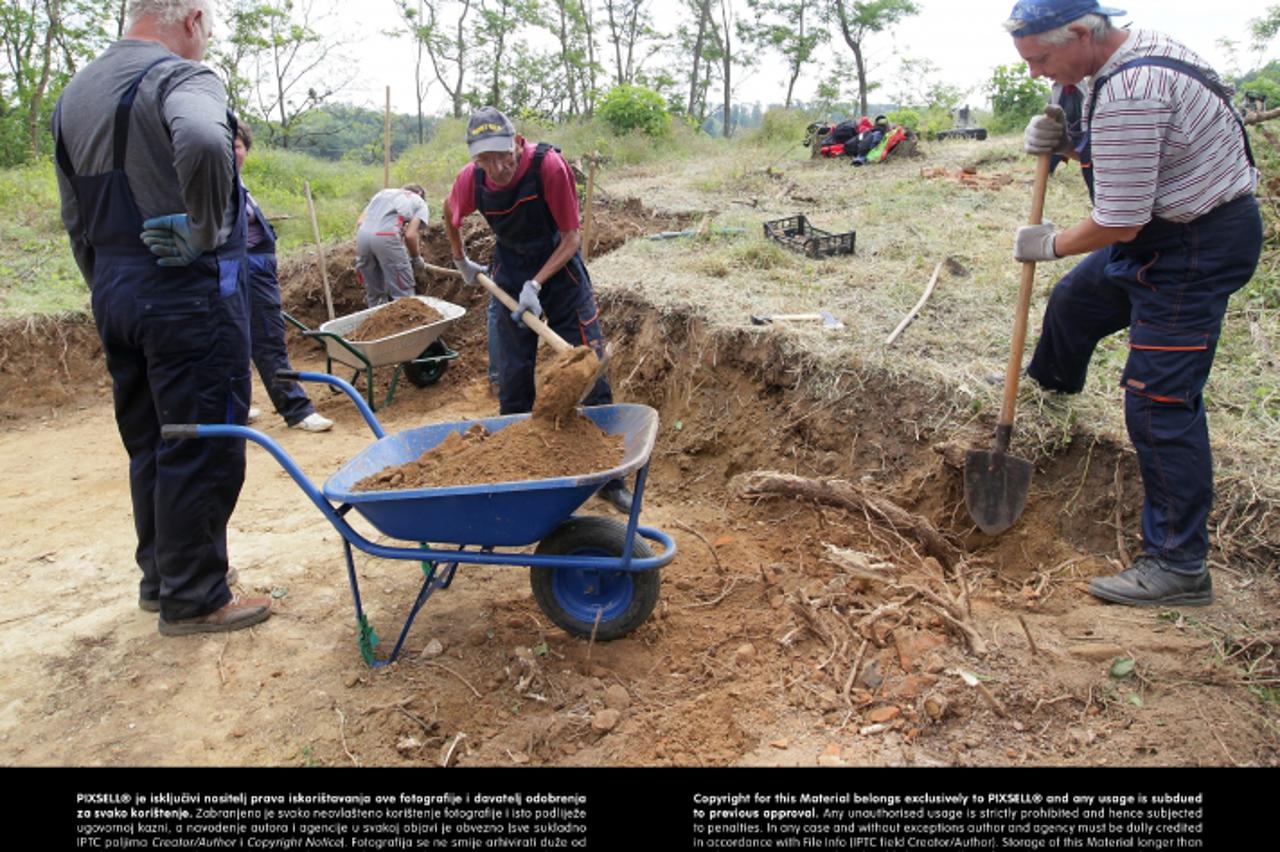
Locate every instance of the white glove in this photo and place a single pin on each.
(418, 263)
(1047, 133)
(528, 302)
(1034, 243)
(469, 269)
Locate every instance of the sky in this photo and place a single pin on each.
(964, 39)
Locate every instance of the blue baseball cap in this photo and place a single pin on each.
(1040, 16)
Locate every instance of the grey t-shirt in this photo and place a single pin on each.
(390, 209)
(179, 157)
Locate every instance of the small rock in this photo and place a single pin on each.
(828, 699)
(519, 758)
(408, 744)
(605, 721)
(599, 671)
(351, 680)
(617, 698)
(781, 744)
(515, 622)
(745, 653)
(830, 760)
(434, 649)
(913, 646)
(886, 713)
(776, 601)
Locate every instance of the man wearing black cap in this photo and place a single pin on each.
(527, 194)
(1174, 231)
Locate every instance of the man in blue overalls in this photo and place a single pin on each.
(1174, 231)
(140, 132)
(527, 194)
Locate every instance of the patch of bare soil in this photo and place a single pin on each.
(401, 315)
(831, 603)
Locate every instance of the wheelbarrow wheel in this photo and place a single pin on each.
(423, 375)
(573, 598)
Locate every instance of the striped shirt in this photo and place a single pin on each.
(1163, 144)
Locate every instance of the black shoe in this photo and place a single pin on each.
(1148, 582)
(616, 493)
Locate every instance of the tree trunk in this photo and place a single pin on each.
(53, 13)
(862, 76)
(703, 15)
(726, 62)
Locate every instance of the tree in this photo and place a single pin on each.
(446, 39)
(702, 9)
(857, 20)
(290, 62)
(412, 15)
(1015, 97)
(43, 43)
(787, 28)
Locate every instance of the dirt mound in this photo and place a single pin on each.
(399, 316)
(47, 362)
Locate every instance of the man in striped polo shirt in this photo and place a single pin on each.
(1174, 231)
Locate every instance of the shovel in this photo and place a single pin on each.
(557, 343)
(996, 483)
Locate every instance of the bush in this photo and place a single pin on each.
(628, 108)
(1015, 97)
(781, 125)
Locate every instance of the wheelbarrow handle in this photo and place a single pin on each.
(546, 332)
(179, 431)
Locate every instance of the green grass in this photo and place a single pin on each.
(38, 274)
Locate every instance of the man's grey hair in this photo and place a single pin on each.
(167, 12)
(1099, 24)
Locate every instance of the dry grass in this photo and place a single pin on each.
(905, 225)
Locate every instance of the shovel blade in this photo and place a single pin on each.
(995, 488)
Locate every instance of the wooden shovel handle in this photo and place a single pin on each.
(1004, 426)
(546, 332)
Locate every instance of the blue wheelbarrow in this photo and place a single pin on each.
(594, 577)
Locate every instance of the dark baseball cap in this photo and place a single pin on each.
(489, 130)
(1040, 16)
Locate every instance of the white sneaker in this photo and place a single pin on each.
(314, 423)
(254, 413)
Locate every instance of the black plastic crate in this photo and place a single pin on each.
(797, 234)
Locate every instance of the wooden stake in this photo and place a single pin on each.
(386, 142)
(315, 231)
(592, 159)
(933, 282)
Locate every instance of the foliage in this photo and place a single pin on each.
(629, 108)
(781, 125)
(1265, 82)
(781, 26)
(1015, 97)
(37, 269)
(276, 65)
(858, 20)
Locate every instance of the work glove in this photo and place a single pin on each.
(1034, 243)
(1047, 133)
(169, 238)
(528, 301)
(418, 263)
(469, 269)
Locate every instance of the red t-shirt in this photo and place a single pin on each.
(558, 188)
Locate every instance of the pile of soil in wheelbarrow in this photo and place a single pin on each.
(530, 449)
(401, 315)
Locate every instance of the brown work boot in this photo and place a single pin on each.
(153, 604)
(238, 613)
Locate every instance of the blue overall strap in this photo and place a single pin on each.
(1181, 68)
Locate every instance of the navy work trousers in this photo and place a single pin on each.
(266, 329)
(1169, 287)
(177, 348)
